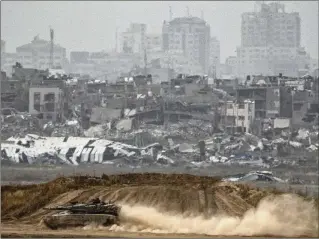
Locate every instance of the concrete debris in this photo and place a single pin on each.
(177, 144)
(19, 125)
(265, 176)
(124, 125)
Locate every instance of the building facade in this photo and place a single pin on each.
(231, 65)
(176, 60)
(271, 25)
(37, 54)
(313, 64)
(153, 42)
(267, 100)
(47, 102)
(133, 40)
(191, 35)
(3, 47)
(268, 61)
(270, 42)
(214, 57)
(98, 58)
(241, 114)
(79, 57)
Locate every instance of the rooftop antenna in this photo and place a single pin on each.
(51, 46)
(170, 13)
(187, 11)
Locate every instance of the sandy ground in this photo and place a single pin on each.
(32, 228)
(31, 174)
(24, 230)
(33, 231)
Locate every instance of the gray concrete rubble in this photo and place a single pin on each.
(184, 122)
(156, 146)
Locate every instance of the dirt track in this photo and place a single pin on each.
(169, 205)
(31, 231)
(24, 230)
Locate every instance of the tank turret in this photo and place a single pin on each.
(80, 214)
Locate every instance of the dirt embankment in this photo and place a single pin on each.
(171, 203)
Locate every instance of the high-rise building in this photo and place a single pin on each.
(191, 35)
(37, 54)
(231, 65)
(270, 42)
(271, 26)
(153, 42)
(3, 46)
(214, 57)
(133, 40)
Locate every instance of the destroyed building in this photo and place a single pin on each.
(267, 98)
(238, 115)
(15, 90)
(46, 102)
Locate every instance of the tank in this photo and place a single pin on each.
(81, 214)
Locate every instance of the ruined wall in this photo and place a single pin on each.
(285, 103)
(272, 102)
(47, 101)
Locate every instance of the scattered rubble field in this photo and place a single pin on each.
(22, 205)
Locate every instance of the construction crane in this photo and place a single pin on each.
(51, 47)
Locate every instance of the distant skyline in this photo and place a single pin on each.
(91, 26)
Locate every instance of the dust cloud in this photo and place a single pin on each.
(285, 215)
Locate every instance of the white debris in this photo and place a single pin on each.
(302, 134)
(69, 150)
(295, 144)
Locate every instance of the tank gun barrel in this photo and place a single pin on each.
(57, 208)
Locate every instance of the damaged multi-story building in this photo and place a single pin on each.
(238, 116)
(183, 97)
(278, 97)
(15, 89)
(47, 98)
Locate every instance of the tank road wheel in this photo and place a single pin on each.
(49, 224)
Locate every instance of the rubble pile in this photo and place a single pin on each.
(19, 125)
(69, 128)
(176, 144)
(76, 150)
(254, 176)
(189, 131)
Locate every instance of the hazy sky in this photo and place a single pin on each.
(91, 26)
